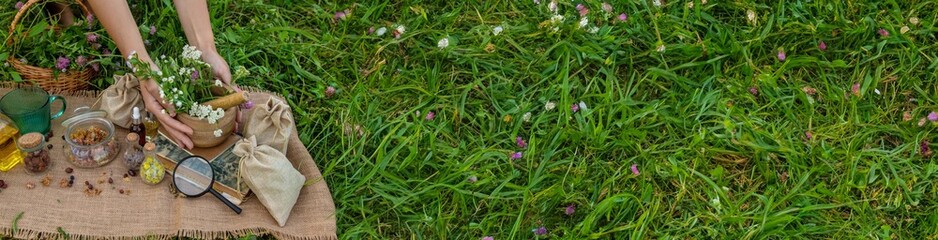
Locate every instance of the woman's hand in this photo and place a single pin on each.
(164, 112)
(220, 68)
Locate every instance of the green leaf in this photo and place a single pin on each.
(15, 221)
(61, 231)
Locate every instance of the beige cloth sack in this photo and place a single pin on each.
(272, 124)
(271, 177)
(120, 98)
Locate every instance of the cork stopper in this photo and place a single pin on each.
(31, 140)
(133, 137)
(149, 146)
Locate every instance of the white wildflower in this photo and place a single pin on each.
(443, 43)
(913, 20)
(217, 132)
(594, 29)
(218, 83)
(400, 29)
(497, 30)
(582, 106)
(657, 3)
(526, 117)
(381, 31)
(131, 55)
(583, 22)
(549, 106)
(552, 6)
(162, 56)
(178, 104)
(904, 29)
(661, 48)
(190, 52)
(751, 16)
(716, 203)
(877, 91)
(690, 4)
(159, 73)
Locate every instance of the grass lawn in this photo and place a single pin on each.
(695, 120)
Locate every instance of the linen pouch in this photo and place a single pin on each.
(271, 177)
(120, 98)
(272, 124)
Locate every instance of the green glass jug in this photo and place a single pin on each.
(29, 107)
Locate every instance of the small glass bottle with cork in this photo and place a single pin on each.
(136, 126)
(133, 154)
(35, 155)
(151, 170)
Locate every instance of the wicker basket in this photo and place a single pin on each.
(46, 77)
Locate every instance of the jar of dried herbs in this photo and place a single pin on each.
(151, 170)
(35, 154)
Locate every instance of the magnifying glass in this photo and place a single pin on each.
(194, 177)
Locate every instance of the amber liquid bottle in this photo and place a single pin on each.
(9, 155)
(136, 126)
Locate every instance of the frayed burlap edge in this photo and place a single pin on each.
(188, 233)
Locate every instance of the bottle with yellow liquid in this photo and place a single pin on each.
(9, 155)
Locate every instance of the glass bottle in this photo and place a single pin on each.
(136, 126)
(151, 170)
(152, 127)
(133, 154)
(35, 154)
(10, 155)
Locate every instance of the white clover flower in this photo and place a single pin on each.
(904, 29)
(497, 30)
(178, 104)
(381, 31)
(583, 22)
(751, 17)
(556, 19)
(582, 106)
(526, 117)
(657, 3)
(400, 29)
(552, 6)
(443, 43)
(159, 73)
(549, 106)
(218, 83)
(913, 20)
(217, 132)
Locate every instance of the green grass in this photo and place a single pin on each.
(685, 116)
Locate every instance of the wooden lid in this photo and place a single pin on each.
(31, 140)
(133, 137)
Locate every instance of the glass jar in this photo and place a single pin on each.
(34, 152)
(151, 170)
(90, 139)
(133, 153)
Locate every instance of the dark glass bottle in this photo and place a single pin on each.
(136, 126)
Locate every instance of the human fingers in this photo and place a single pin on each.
(153, 89)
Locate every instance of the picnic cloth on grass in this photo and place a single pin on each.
(148, 211)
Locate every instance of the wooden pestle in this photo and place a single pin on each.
(228, 101)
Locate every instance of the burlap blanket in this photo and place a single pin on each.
(51, 212)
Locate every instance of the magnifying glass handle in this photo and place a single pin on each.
(225, 200)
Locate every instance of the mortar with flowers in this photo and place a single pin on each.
(199, 101)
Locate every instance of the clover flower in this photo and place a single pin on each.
(496, 30)
(570, 210)
(217, 132)
(539, 231)
(81, 61)
(430, 116)
(883, 32)
(443, 43)
(520, 142)
(62, 63)
(822, 46)
(549, 106)
(18, 5)
(91, 37)
(607, 7)
(152, 30)
(781, 55)
(330, 90)
(634, 169)
(623, 17)
(932, 116)
(381, 31)
(516, 155)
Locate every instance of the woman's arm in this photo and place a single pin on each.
(193, 15)
(120, 25)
